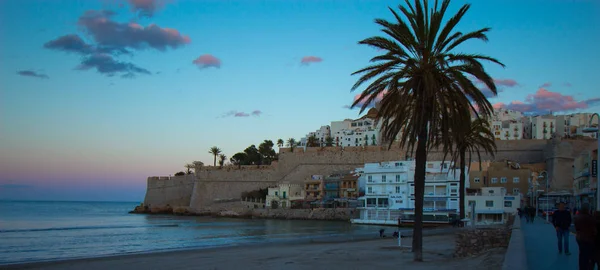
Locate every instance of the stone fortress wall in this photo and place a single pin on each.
(213, 185)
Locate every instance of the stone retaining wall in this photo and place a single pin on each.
(471, 242)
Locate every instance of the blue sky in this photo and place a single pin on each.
(69, 130)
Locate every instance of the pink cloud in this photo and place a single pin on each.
(500, 85)
(256, 112)
(146, 7)
(545, 85)
(207, 60)
(544, 101)
(109, 33)
(306, 60)
(359, 105)
(506, 82)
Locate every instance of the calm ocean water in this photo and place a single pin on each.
(40, 231)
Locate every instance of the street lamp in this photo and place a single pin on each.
(547, 189)
(591, 129)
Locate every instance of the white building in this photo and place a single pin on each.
(492, 205)
(502, 114)
(283, 194)
(539, 127)
(321, 134)
(572, 125)
(389, 192)
(359, 132)
(507, 130)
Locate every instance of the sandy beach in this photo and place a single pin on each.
(382, 253)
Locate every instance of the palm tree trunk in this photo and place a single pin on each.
(215, 160)
(420, 164)
(461, 196)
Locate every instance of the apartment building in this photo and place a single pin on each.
(314, 188)
(539, 127)
(283, 195)
(507, 130)
(572, 125)
(508, 175)
(349, 186)
(389, 192)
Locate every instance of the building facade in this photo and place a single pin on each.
(314, 188)
(389, 192)
(283, 195)
(491, 205)
(585, 179)
(572, 125)
(508, 175)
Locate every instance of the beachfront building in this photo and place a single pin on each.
(506, 174)
(491, 205)
(283, 195)
(349, 188)
(389, 192)
(314, 188)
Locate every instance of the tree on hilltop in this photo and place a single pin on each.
(222, 159)
(239, 159)
(328, 141)
(179, 173)
(215, 151)
(279, 143)
(253, 156)
(312, 141)
(267, 152)
(426, 86)
(291, 143)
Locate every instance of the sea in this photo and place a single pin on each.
(33, 231)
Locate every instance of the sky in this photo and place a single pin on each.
(97, 95)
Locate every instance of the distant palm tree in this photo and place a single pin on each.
(312, 141)
(215, 151)
(426, 86)
(477, 138)
(279, 143)
(291, 142)
(328, 141)
(222, 159)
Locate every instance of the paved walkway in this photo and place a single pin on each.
(542, 248)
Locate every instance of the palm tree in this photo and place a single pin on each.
(477, 138)
(291, 142)
(215, 151)
(425, 84)
(279, 143)
(328, 141)
(222, 159)
(312, 141)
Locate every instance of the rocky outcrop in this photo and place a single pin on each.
(236, 210)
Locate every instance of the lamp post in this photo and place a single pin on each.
(547, 189)
(591, 129)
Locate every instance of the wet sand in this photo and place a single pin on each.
(359, 254)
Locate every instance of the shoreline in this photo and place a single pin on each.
(322, 252)
(286, 243)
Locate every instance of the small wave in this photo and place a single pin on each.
(89, 228)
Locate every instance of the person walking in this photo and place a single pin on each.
(532, 214)
(561, 219)
(585, 226)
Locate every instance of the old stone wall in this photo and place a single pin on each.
(471, 242)
(559, 156)
(173, 191)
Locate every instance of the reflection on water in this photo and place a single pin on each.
(33, 231)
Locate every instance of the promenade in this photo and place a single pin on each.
(542, 248)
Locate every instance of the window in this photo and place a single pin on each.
(276, 193)
(369, 190)
(516, 191)
(397, 178)
(453, 190)
(471, 203)
(476, 180)
(494, 180)
(369, 178)
(507, 203)
(515, 179)
(489, 203)
(503, 180)
(397, 189)
(430, 165)
(383, 178)
(445, 165)
(284, 194)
